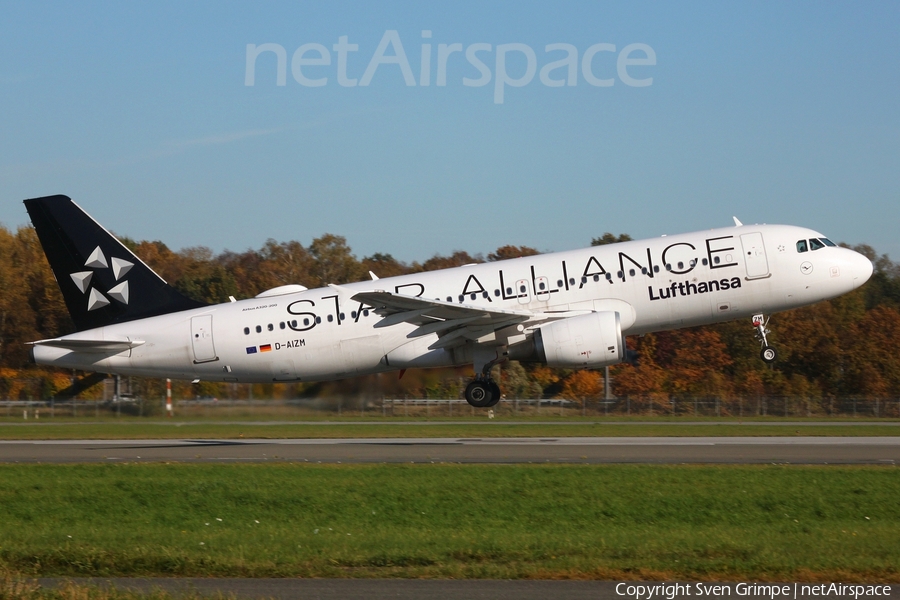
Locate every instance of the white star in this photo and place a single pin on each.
(96, 300)
(96, 259)
(120, 267)
(82, 279)
(120, 292)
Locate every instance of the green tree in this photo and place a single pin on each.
(334, 262)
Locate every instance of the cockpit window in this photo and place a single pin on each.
(801, 246)
(827, 242)
(815, 244)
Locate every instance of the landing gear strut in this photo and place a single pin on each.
(768, 353)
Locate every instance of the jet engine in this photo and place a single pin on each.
(586, 341)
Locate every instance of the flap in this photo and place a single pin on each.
(456, 322)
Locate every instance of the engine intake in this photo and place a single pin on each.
(586, 341)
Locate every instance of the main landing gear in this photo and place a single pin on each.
(483, 391)
(768, 353)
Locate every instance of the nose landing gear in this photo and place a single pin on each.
(768, 353)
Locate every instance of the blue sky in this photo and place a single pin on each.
(774, 112)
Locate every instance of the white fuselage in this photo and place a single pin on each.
(712, 276)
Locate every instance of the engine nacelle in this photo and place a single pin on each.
(586, 341)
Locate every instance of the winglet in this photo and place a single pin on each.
(373, 276)
(737, 222)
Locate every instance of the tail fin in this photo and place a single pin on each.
(101, 280)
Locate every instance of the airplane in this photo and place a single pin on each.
(568, 309)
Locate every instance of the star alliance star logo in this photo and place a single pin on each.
(95, 298)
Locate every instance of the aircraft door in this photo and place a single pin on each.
(755, 255)
(522, 291)
(202, 339)
(542, 289)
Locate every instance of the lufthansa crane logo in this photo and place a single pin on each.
(95, 298)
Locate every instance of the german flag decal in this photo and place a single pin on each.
(265, 348)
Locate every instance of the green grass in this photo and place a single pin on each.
(139, 429)
(618, 521)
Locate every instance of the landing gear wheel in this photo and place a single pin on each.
(478, 394)
(495, 394)
(768, 354)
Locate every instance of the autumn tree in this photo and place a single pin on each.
(457, 259)
(509, 251)
(608, 238)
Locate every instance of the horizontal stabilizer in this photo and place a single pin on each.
(82, 345)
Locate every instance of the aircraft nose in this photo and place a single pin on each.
(862, 269)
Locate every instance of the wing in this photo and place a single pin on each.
(453, 323)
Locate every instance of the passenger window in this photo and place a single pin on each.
(828, 242)
(705, 262)
(318, 320)
(815, 244)
(366, 313)
(509, 291)
(281, 325)
(258, 329)
(497, 293)
(271, 327)
(559, 283)
(801, 246)
(305, 322)
(246, 331)
(330, 318)
(656, 268)
(643, 270)
(542, 286)
(571, 281)
(596, 278)
(680, 264)
(294, 323)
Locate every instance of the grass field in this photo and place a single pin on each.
(619, 521)
(136, 428)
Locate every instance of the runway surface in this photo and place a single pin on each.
(370, 589)
(587, 450)
(445, 589)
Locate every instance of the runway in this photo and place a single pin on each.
(446, 589)
(584, 450)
